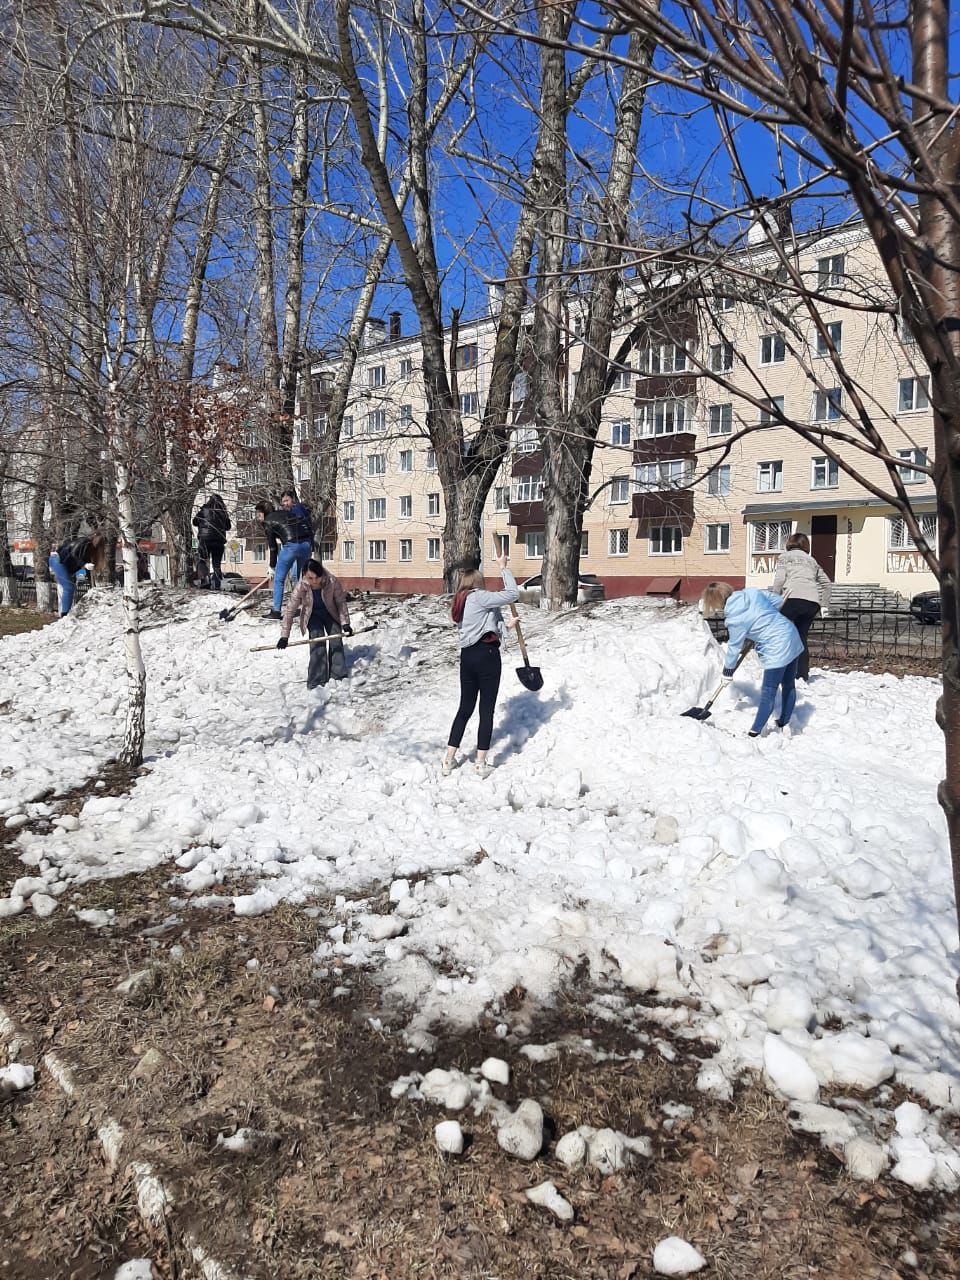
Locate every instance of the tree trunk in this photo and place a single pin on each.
(131, 753)
(8, 584)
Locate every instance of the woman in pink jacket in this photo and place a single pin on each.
(320, 601)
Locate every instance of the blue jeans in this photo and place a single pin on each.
(784, 679)
(66, 583)
(292, 559)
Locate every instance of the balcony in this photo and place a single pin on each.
(663, 448)
(664, 506)
(526, 515)
(666, 386)
(527, 464)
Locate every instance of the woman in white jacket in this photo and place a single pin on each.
(805, 589)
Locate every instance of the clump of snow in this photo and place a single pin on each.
(864, 1159)
(495, 1070)
(449, 1137)
(247, 1140)
(788, 1071)
(14, 1078)
(675, 1257)
(521, 1134)
(548, 1197)
(135, 1269)
(604, 1149)
(43, 905)
(789, 1006)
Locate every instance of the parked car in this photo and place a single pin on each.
(589, 587)
(235, 583)
(925, 607)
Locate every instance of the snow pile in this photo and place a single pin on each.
(794, 892)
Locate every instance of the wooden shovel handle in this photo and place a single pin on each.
(520, 640)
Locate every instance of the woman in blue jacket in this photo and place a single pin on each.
(755, 616)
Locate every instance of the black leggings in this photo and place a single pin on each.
(213, 551)
(479, 676)
(801, 613)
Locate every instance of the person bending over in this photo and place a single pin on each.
(70, 558)
(289, 534)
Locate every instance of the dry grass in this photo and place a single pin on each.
(13, 622)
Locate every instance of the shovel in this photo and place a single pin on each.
(528, 676)
(227, 615)
(703, 713)
(337, 635)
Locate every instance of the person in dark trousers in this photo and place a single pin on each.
(70, 559)
(754, 616)
(476, 612)
(212, 523)
(805, 589)
(289, 533)
(321, 603)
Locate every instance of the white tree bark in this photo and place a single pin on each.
(131, 752)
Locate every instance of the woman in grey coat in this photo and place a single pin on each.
(476, 612)
(805, 589)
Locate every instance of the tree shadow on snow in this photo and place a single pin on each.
(523, 716)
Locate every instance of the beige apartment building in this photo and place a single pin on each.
(685, 486)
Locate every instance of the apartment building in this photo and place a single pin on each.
(693, 480)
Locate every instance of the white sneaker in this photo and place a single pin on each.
(483, 770)
(446, 768)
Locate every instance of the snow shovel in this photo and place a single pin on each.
(228, 615)
(337, 635)
(528, 676)
(703, 713)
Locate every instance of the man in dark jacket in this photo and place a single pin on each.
(212, 524)
(289, 534)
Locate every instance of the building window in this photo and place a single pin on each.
(898, 535)
(406, 550)
(663, 417)
(406, 367)
(349, 511)
(349, 469)
(663, 357)
(584, 543)
(828, 405)
(259, 552)
(830, 271)
(665, 541)
(718, 482)
(918, 457)
(525, 440)
(431, 459)
(661, 475)
(622, 379)
(504, 540)
(773, 349)
(433, 504)
(406, 415)
(377, 376)
(831, 339)
(433, 548)
(501, 498)
(769, 412)
(468, 356)
(716, 539)
(824, 473)
(376, 508)
(720, 420)
(349, 550)
(346, 429)
(326, 550)
(469, 404)
(913, 395)
(618, 542)
(528, 489)
(377, 464)
(721, 357)
(770, 535)
(376, 422)
(620, 432)
(406, 459)
(376, 550)
(769, 477)
(533, 546)
(406, 507)
(520, 385)
(725, 302)
(619, 490)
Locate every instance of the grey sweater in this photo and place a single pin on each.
(481, 610)
(799, 577)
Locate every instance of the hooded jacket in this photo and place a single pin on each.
(301, 601)
(212, 521)
(755, 615)
(481, 610)
(799, 577)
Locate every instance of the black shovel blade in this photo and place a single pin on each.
(697, 713)
(226, 615)
(530, 678)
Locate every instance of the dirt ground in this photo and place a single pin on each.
(231, 1024)
(14, 621)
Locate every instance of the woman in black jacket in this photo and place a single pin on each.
(68, 560)
(212, 524)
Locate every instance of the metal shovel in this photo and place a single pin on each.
(227, 615)
(528, 676)
(703, 713)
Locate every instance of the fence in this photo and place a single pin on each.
(879, 633)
